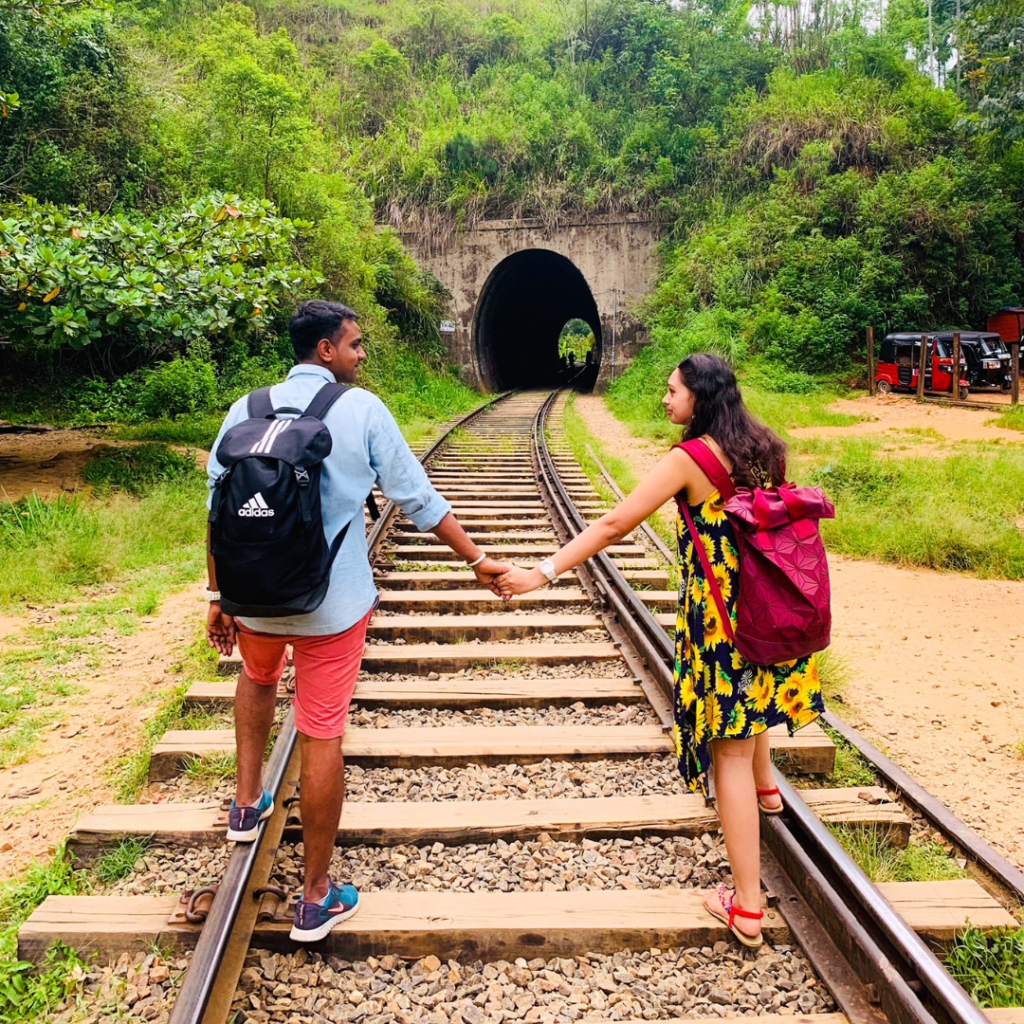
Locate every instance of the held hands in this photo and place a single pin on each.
(489, 572)
(520, 581)
(220, 629)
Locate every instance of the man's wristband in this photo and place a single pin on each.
(212, 595)
(473, 565)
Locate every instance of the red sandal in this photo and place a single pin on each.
(774, 791)
(729, 904)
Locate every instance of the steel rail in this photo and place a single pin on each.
(618, 596)
(218, 930)
(877, 924)
(651, 533)
(1008, 875)
(945, 992)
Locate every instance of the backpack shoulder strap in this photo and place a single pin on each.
(324, 399)
(711, 465)
(260, 405)
(709, 573)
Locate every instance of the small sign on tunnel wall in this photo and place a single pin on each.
(447, 327)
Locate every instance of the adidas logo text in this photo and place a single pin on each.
(255, 507)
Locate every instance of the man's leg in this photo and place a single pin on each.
(322, 793)
(326, 668)
(255, 704)
(263, 661)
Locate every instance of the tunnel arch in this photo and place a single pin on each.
(525, 302)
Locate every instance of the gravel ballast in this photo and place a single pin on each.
(575, 715)
(653, 775)
(650, 985)
(537, 865)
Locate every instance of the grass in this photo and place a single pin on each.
(28, 993)
(131, 772)
(138, 469)
(1018, 749)
(210, 769)
(119, 861)
(66, 553)
(990, 967)
(851, 769)
(50, 551)
(954, 513)
(1012, 419)
(635, 398)
(835, 673)
(189, 432)
(585, 446)
(882, 861)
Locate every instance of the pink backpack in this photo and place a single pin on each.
(783, 608)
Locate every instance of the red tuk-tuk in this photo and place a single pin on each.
(900, 358)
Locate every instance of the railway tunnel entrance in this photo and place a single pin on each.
(526, 301)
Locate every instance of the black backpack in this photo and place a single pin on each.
(266, 529)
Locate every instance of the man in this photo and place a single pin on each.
(327, 643)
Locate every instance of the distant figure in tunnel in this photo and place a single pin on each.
(723, 704)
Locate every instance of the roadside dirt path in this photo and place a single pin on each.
(902, 414)
(51, 461)
(69, 775)
(936, 660)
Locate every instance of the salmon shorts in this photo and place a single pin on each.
(326, 668)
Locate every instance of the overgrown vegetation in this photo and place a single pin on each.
(25, 993)
(883, 861)
(990, 967)
(119, 861)
(50, 550)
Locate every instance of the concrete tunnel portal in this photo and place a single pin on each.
(525, 302)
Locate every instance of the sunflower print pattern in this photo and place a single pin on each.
(718, 693)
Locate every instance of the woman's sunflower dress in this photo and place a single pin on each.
(718, 693)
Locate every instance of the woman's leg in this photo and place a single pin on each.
(763, 778)
(737, 809)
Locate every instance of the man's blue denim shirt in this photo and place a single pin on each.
(368, 449)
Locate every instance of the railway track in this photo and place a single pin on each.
(515, 822)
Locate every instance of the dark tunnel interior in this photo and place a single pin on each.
(527, 300)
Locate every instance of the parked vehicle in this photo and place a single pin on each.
(988, 358)
(900, 357)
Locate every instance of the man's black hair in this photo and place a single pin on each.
(314, 320)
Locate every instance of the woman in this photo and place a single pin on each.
(723, 705)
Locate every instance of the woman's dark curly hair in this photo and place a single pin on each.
(758, 455)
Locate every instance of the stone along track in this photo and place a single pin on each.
(513, 807)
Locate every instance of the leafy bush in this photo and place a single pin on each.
(218, 269)
(180, 387)
(137, 469)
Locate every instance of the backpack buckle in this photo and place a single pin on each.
(301, 477)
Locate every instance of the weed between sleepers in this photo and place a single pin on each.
(119, 861)
(872, 848)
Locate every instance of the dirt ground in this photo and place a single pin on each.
(936, 660)
(895, 414)
(41, 799)
(49, 462)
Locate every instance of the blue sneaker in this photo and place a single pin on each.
(243, 822)
(314, 920)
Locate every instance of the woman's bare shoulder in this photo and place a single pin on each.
(717, 449)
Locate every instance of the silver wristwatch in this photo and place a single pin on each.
(547, 568)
